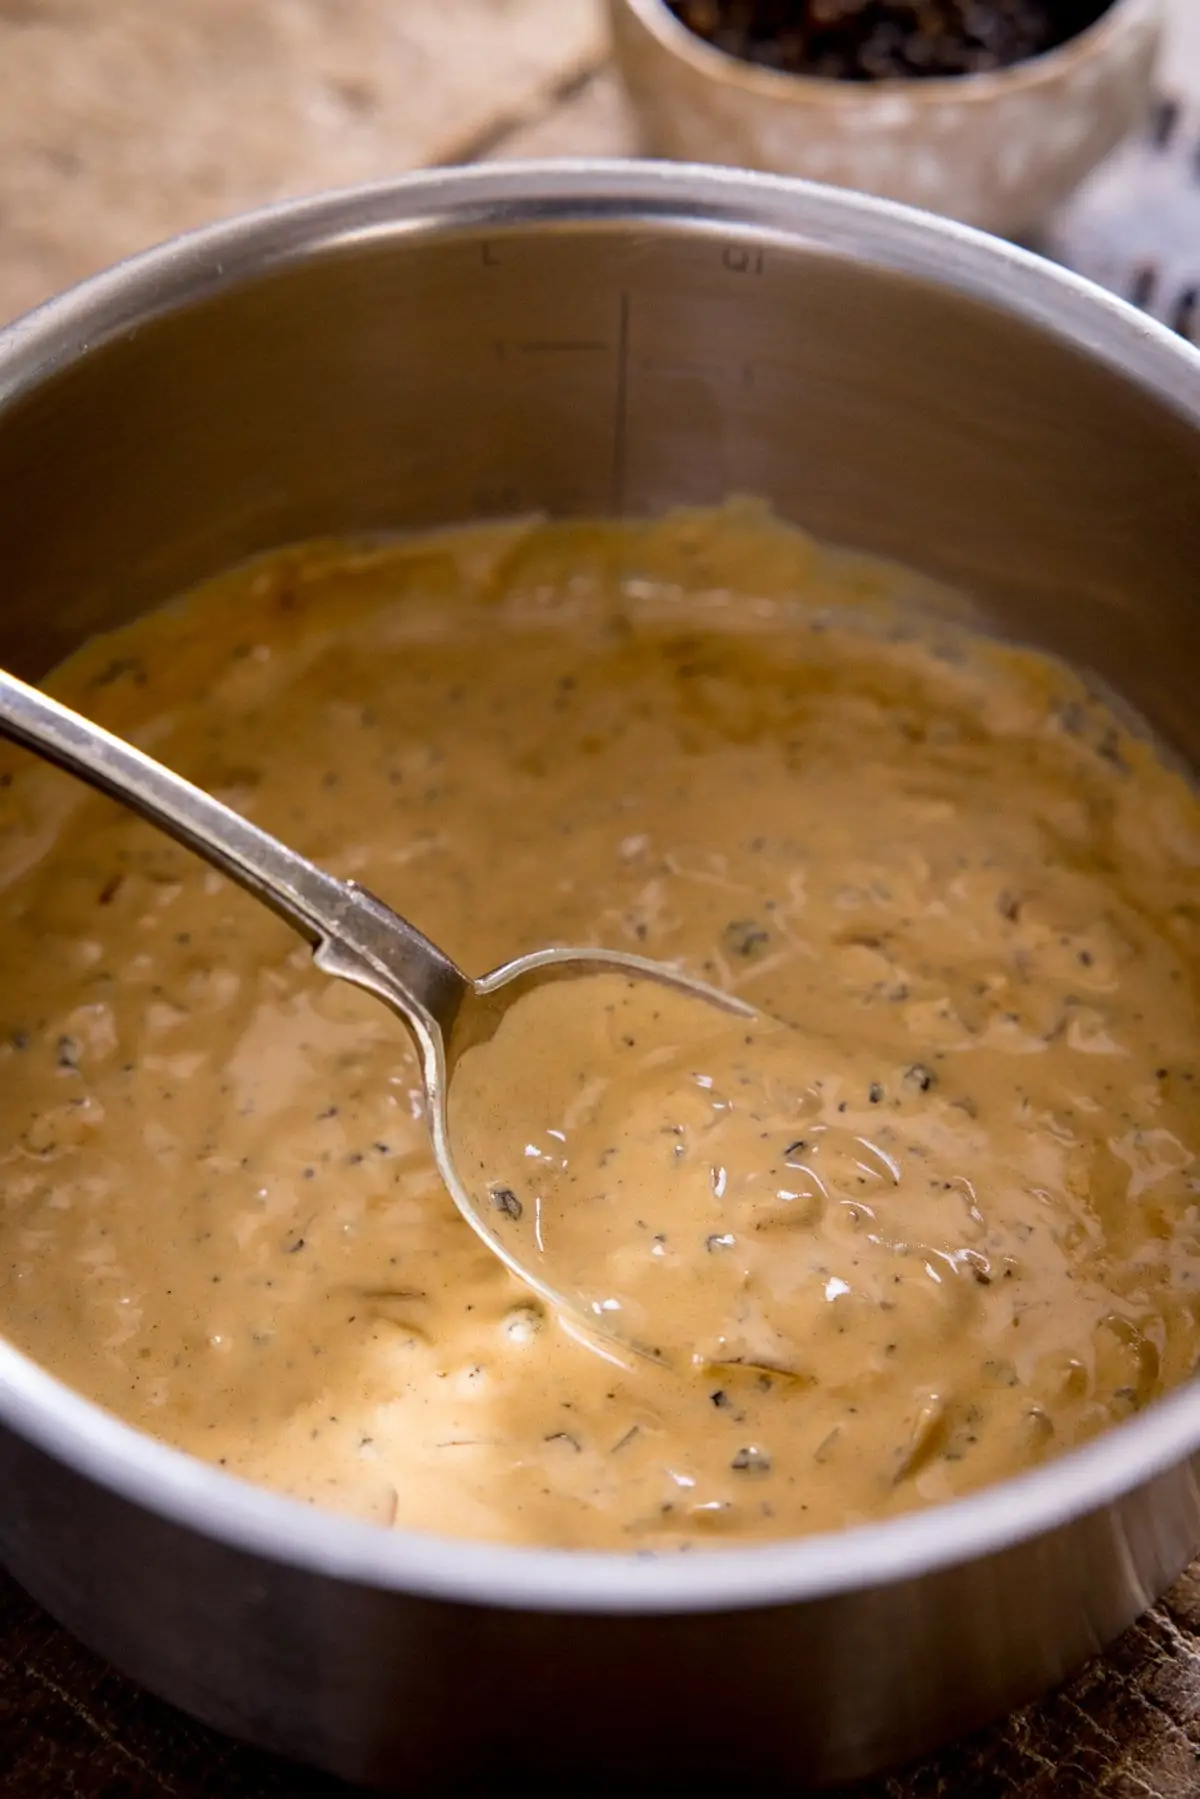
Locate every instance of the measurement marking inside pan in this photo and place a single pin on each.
(617, 502)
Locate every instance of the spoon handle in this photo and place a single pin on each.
(357, 937)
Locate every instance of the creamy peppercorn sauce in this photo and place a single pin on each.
(943, 1226)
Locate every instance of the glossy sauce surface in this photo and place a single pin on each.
(942, 1225)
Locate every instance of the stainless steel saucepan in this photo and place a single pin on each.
(599, 338)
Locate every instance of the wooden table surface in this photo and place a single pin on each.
(123, 122)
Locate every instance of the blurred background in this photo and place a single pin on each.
(123, 122)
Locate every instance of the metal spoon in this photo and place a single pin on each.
(355, 938)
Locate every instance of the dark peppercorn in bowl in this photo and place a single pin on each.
(879, 40)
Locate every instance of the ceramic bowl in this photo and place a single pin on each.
(998, 150)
